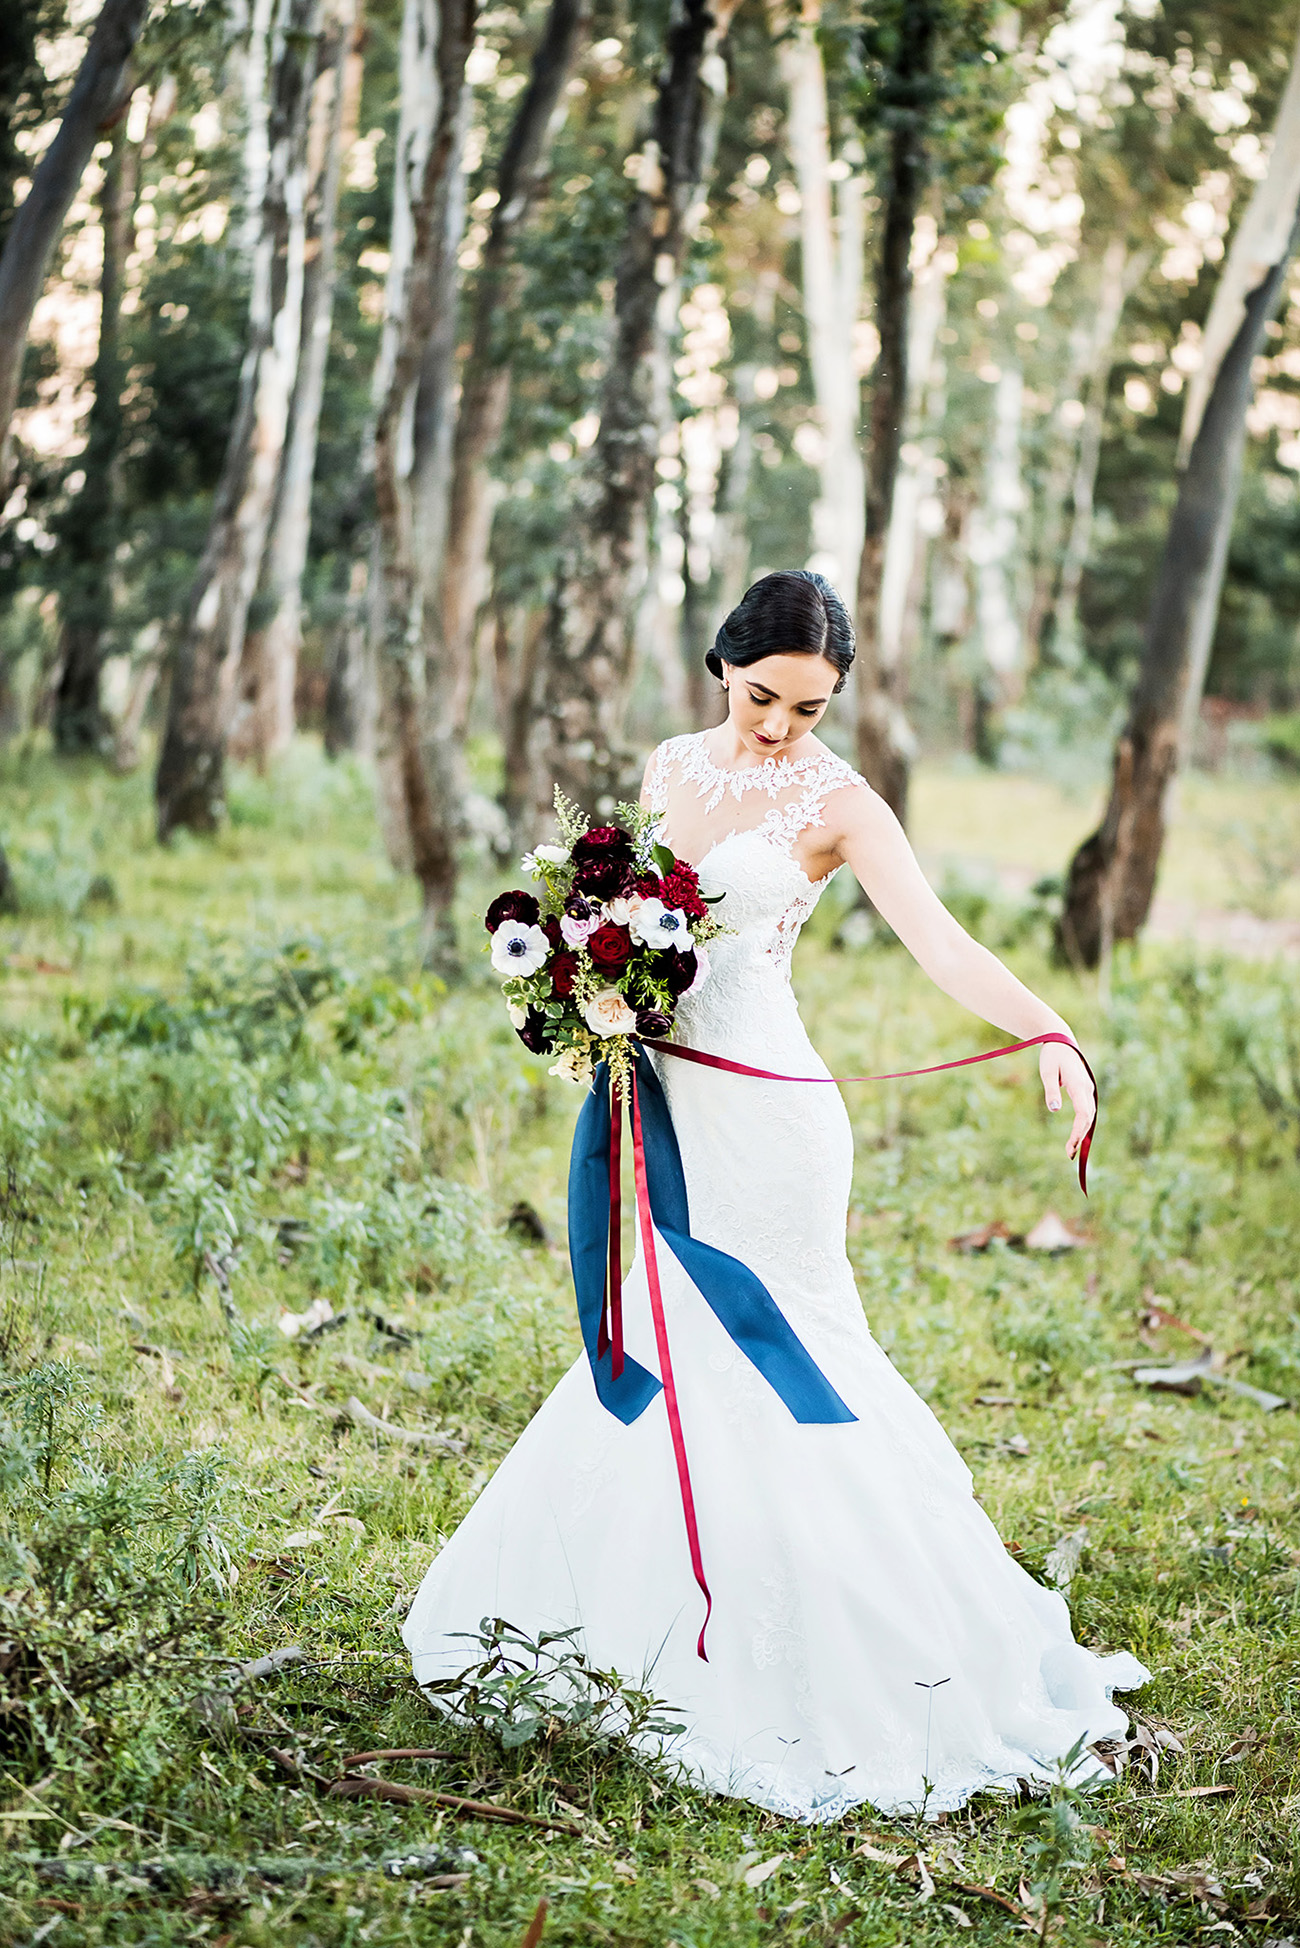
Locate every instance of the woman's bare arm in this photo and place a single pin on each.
(873, 843)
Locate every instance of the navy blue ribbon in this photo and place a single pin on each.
(737, 1297)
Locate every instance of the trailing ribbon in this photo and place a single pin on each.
(900, 1075)
(736, 1295)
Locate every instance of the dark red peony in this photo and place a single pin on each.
(610, 947)
(534, 1035)
(650, 1021)
(563, 972)
(681, 889)
(675, 970)
(512, 906)
(602, 861)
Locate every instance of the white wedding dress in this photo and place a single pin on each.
(850, 1565)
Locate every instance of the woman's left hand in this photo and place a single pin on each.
(1063, 1070)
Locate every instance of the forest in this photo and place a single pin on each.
(395, 396)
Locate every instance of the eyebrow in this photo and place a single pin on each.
(803, 702)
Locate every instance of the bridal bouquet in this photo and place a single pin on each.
(616, 933)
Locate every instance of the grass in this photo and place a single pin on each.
(241, 1061)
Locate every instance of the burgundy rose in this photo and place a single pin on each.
(602, 861)
(563, 972)
(512, 906)
(652, 1021)
(534, 1035)
(675, 970)
(551, 928)
(610, 947)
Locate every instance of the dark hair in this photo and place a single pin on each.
(792, 611)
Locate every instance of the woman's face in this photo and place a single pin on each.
(771, 704)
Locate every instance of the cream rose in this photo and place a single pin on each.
(518, 1016)
(607, 1013)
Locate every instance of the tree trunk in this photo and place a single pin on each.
(899, 572)
(830, 297)
(884, 738)
(514, 676)
(994, 533)
(90, 531)
(1119, 275)
(1113, 874)
(418, 758)
(589, 648)
(190, 784)
(98, 96)
(269, 664)
(485, 377)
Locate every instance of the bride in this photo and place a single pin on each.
(871, 1639)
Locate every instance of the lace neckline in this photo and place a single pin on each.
(771, 776)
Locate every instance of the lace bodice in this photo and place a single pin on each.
(749, 845)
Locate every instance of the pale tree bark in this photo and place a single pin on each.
(1112, 876)
(419, 772)
(189, 787)
(485, 377)
(905, 540)
(994, 534)
(1121, 272)
(91, 529)
(832, 287)
(98, 95)
(269, 662)
(589, 649)
(883, 735)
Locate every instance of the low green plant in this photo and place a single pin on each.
(1057, 1838)
(545, 1690)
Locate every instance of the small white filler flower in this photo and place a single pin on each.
(657, 925)
(574, 1065)
(519, 949)
(543, 855)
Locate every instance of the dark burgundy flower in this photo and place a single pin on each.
(681, 889)
(610, 947)
(534, 1035)
(652, 1021)
(602, 862)
(563, 971)
(578, 907)
(551, 928)
(675, 970)
(512, 906)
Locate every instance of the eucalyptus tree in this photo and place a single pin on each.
(930, 105)
(1112, 876)
(98, 96)
(189, 784)
(590, 638)
(269, 655)
(419, 759)
(485, 384)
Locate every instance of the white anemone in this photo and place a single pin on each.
(519, 949)
(657, 925)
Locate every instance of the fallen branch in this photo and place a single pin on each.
(396, 1752)
(978, 1892)
(362, 1417)
(368, 1787)
(275, 1660)
(296, 1768)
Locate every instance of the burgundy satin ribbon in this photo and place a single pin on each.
(646, 1223)
(900, 1075)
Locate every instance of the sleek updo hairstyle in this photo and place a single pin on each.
(793, 611)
